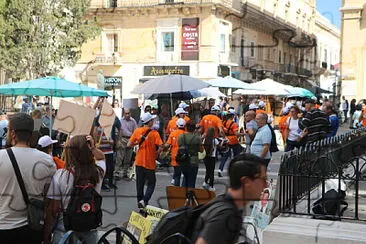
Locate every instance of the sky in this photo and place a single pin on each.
(330, 9)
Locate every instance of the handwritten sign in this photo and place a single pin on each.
(107, 118)
(74, 119)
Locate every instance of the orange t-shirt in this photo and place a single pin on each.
(172, 124)
(211, 120)
(363, 117)
(146, 155)
(173, 141)
(258, 111)
(60, 164)
(231, 134)
(282, 124)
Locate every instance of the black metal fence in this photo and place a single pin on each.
(304, 173)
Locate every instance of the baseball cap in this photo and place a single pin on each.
(215, 108)
(285, 110)
(45, 141)
(183, 105)
(231, 111)
(146, 117)
(261, 104)
(180, 111)
(181, 123)
(252, 106)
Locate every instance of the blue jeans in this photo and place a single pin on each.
(177, 174)
(142, 175)
(237, 149)
(190, 175)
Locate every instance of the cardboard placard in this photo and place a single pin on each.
(74, 119)
(177, 196)
(107, 117)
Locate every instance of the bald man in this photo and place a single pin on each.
(124, 153)
(250, 126)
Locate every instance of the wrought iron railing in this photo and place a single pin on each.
(304, 171)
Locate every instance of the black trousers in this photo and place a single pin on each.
(110, 167)
(143, 175)
(21, 235)
(210, 170)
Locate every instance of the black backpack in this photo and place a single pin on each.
(330, 203)
(273, 147)
(183, 157)
(182, 221)
(84, 212)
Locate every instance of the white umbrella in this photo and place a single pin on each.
(213, 92)
(170, 84)
(230, 82)
(271, 87)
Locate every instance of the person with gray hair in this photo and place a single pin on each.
(262, 139)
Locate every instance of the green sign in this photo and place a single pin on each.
(112, 81)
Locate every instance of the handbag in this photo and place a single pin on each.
(35, 207)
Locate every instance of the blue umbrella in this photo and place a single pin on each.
(50, 86)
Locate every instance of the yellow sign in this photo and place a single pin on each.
(139, 226)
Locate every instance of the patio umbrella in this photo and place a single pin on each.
(271, 87)
(230, 82)
(169, 84)
(50, 86)
(299, 92)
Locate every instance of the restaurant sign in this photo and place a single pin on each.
(165, 70)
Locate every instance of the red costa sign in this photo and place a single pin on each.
(190, 39)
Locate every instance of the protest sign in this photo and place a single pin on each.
(74, 119)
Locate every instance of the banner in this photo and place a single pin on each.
(190, 39)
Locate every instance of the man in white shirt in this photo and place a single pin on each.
(36, 169)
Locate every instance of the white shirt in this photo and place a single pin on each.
(263, 136)
(294, 130)
(63, 182)
(36, 168)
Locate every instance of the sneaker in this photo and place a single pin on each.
(141, 204)
(205, 185)
(219, 173)
(211, 188)
(113, 186)
(106, 187)
(172, 182)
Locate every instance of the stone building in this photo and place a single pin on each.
(353, 53)
(247, 39)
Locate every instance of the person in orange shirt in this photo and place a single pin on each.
(282, 124)
(45, 144)
(172, 142)
(147, 139)
(172, 124)
(212, 120)
(261, 108)
(363, 115)
(231, 130)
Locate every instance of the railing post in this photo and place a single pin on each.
(357, 186)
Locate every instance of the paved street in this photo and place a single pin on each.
(118, 205)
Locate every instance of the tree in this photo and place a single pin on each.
(41, 37)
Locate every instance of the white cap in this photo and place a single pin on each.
(181, 123)
(285, 110)
(231, 111)
(146, 117)
(180, 111)
(289, 104)
(183, 105)
(45, 141)
(252, 106)
(215, 108)
(261, 104)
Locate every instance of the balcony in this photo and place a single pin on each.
(231, 4)
(109, 59)
(305, 72)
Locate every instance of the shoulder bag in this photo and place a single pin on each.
(35, 207)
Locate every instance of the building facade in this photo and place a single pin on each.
(353, 53)
(247, 39)
(328, 52)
